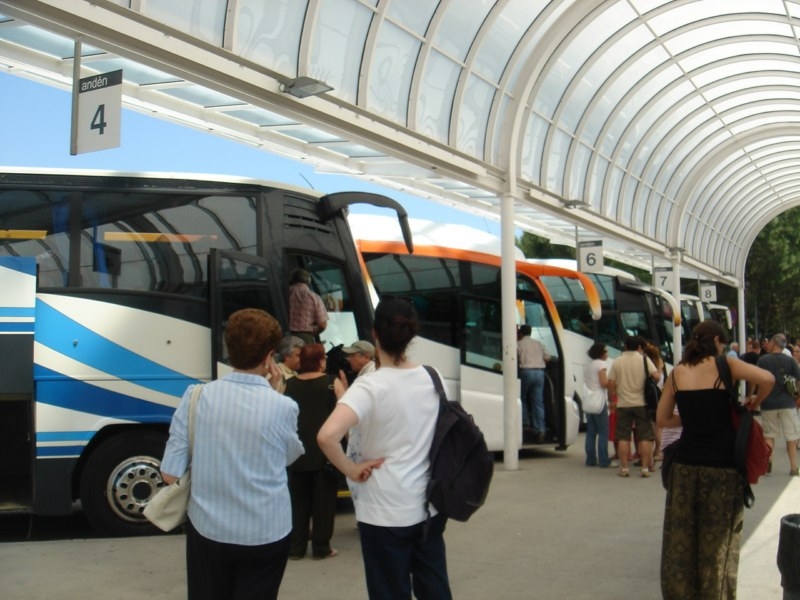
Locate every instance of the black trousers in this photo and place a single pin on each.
(217, 571)
(313, 506)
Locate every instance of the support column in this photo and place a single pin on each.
(677, 332)
(508, 301)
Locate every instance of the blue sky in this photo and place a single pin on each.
(36, 127)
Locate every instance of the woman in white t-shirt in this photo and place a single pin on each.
(391, 415)
(594, 376)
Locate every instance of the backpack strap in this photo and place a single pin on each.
(437, 384)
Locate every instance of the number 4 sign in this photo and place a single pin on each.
(99, 101)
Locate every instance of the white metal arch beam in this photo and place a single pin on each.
(702, 161)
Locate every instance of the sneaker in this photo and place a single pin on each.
(624, 473)
(645, 472)
(614, 463)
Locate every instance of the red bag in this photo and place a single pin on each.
(750, 436)
(751, 451)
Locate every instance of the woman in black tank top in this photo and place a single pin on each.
(704, 510)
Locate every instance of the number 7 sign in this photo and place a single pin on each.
(99, 101)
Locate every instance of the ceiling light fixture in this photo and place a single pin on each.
(303, 87)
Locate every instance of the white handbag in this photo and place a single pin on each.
(167, 509)
(593, 401)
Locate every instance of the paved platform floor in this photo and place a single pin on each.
(553, 529)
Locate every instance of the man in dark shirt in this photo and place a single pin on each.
(779, 409)
(752, 353)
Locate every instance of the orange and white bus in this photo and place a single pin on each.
(453, 280)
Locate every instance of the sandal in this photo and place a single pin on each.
(331, 554)
(624, 473)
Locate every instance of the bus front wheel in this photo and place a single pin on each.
(118, 480)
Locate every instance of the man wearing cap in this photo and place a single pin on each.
(361, 356)
(307, 314)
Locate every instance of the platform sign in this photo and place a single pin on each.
(590, 256)
(99, 114)
(664, 279)
(708, 292)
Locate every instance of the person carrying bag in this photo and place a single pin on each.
(167, 509)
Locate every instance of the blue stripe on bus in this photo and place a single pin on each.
(57, 331)
(65, 451)
(64, 436)
(23, 264)
(17, 311)
(54, 389)
(16, 327)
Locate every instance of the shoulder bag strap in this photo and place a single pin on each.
(192, 407)
(725, 376)
(743, 433)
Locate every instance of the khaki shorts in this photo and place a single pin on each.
(627, 418)
(780, 423)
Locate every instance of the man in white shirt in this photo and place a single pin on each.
(532, 359)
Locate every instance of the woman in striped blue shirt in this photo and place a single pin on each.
(245, 435)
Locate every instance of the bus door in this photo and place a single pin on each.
(481, 370)
(236, 281)
(533, 312)
(17, 318)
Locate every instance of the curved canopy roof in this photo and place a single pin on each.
(670, 130)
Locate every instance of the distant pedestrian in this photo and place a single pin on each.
(626, 380)
(594, 375)
(361, 356)
(287, 357)
(532, 359)
(779, 410)
(308, 316)
(312, 480)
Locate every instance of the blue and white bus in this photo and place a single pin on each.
(114, 292)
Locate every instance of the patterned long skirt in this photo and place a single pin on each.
(702, 533)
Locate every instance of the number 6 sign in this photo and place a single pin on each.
(590, 257)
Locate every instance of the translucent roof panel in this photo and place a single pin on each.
(669, 129)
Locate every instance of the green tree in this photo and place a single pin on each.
(535, 246)
(772, 278)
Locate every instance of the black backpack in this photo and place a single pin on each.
(461, 464)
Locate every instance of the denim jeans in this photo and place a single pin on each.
(399, 559)
(597, 439)
(532, 392)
